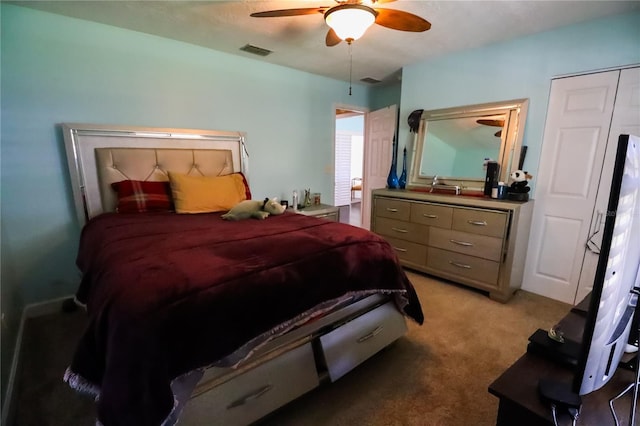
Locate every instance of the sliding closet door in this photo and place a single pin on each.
(626, 120)
(573, 150)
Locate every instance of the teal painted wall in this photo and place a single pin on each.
(57, 69)
(521, 68)
(386, 94)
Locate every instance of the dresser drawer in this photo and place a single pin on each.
(431, 214)
(471, 267)
(322, 211)
(257, 392)
(464, 242)
(394, 209)
(493, 224)
(333, 217)
(402, 230)
(408, 251)
(354, 342)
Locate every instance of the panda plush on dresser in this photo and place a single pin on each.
(519, 189)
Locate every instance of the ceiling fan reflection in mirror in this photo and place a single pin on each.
(350, 19)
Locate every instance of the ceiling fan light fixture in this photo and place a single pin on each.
(350, 21)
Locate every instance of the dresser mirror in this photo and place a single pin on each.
(452, 145)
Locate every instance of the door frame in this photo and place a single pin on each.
(359, 110)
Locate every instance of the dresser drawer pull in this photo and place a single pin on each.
(392, 210)
(462, 243)
(402, 231)
(322, 215)
(252, 396)
(400, 249)
(460, 265)
(374, 333)
(430, 216)
(477, 222)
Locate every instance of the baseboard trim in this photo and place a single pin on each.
(46, 308)
(30, 311)
(9, 403)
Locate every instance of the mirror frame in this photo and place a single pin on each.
(510, 144)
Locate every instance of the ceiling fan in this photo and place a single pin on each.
(494, 122)
(349, 19)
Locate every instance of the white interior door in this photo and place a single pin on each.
(378, 141)
(573, 149)
(626, 120)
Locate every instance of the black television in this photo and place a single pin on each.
(614, 296)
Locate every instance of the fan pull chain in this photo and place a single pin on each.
(350, 66)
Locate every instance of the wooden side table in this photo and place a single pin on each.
(520, 402)
(323, 211)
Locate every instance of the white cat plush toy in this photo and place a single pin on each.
(254, 209)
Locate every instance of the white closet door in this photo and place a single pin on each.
(626, 120)
(573, 149)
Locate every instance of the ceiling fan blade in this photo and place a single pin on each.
(490, 122)
(332, 38)
(400, 20)
(289, 12)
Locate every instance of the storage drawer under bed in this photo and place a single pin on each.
(257, 392)
(349, 345)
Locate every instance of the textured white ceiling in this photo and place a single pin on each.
(298, 42)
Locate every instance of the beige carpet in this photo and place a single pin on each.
(438, 374)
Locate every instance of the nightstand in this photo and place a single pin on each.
(323, 211)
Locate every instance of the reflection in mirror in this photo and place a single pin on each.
(453, 145)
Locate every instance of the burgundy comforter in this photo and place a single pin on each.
(168, 293)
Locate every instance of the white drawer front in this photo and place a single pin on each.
(351, 344)
(255, 393)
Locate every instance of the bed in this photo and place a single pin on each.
(198, 320)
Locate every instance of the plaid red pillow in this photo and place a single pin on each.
(136, 196)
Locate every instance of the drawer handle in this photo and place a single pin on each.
(402, 231)
(400, 249)
(322, 215)
(392, 210)
(374, 333)
(430, 216)
(462, 243)
(248, 398)
(477, 222)
(460, 265)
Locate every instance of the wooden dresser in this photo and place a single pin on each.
(476, 241)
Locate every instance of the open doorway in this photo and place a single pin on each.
(349, 164)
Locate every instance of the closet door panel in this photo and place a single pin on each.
(573, 149)
(626, 120)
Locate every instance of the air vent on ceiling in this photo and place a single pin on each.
(369, 80)
(256, 50)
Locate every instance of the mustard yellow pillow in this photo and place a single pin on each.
(206, 194)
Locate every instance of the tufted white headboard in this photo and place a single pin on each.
(100, 155)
